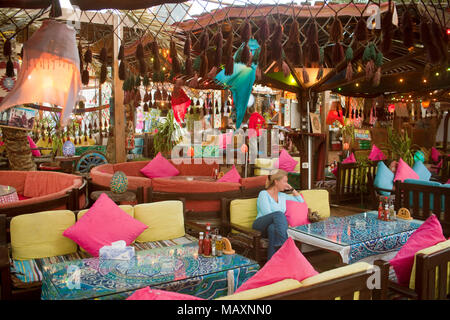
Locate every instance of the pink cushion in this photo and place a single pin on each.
(296, 213)
(405, 172)
(159, 167)
(35, 153)
(448, 181)
(287, 263)
(286, 162)
(231, 176)
(350, 159)
(427, 235)
(103, 224)
(153, 294)
(435, 154)
(376, 154)
(225, 139)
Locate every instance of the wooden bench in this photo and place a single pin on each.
(407, 195)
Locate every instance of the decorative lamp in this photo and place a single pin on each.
(425, 103)
(391, 108)
(68, 149)
(119, 182)
(50, 70)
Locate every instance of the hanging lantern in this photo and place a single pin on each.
(391, 108)
(425, 103)
(180, 103)
(50, 70)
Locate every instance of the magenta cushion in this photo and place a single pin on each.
(225, 139)
(427, 235)
(376, 154)
(153, 294)
(103, 224)
(296, 213)
(435, 154)
(159, 167)
(404, 172)
(350, 159)
(231, 176)
(35, 153)
(287, 263)
(286, 162)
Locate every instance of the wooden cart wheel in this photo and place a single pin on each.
(90, 159)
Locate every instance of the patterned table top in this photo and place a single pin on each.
(359, 228)
(100, 278)
(6, 190)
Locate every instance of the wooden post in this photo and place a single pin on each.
(100, 113)
(119, 111)
(323, 120)
(302, 100)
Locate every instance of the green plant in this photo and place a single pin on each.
(348, 132)
(168, 134)
(400, 146)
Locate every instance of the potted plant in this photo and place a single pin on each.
(400, 146)
(167, 136)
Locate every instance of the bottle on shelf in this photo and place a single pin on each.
(219, 246)
(200, 243)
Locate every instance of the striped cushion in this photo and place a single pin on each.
(29, 271)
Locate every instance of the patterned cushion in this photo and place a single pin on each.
(27, 273)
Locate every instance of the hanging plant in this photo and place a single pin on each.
(218, 41)
(349, 58)
(387, 31)
(174, 56)
(294, 43)
(407, 29)
(229, 66)
(264, 33)
(361, 30)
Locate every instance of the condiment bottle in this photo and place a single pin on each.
(386, 212)
(200, 243)
(380, 211)
(207, 245)
(213, 245)
(219, 246)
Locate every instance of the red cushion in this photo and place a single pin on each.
(286, 162)
(296, 213)
(103, 224)
(404, 172)
(159, 167)
(231, 176)
(427, 235)
(287, 263)
(22, 197)
(153, 294)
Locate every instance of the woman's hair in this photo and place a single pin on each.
(278, 175)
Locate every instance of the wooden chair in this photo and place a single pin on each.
(430, 280)
(348, 185)
(407, 195)
(444, 171)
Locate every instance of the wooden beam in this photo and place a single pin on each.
(295, 75)
(119, 109)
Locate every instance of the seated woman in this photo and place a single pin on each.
(271, 206)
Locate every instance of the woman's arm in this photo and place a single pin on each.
(295, 196)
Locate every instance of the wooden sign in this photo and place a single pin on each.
(404, 214)
(315, 123)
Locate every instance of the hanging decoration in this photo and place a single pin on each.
(336, 36)
(294, 43)
(104, 60)
(228, 53)
(263, 35)
(312, 43)
(50, 70)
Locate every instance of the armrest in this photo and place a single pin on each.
(5, 275)
(4, 257)
(249, 231)
(347, 208)
(194, 226)
(407, 292)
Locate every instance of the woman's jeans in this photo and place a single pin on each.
(274, 225)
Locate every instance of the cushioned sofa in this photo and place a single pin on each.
(30, 247)
(202, 197)
(39, 190)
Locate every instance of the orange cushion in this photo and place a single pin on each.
(131, 168)
(254, 182)
(38, 183)
(14, 179)
(195, 186)
(194, 169)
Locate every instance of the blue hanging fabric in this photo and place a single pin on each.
(240, 82)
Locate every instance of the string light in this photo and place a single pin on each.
(401, 80)
(424, 80)
(437, 74)
(357, 84)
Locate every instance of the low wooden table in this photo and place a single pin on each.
(8, 194)
(127, 196)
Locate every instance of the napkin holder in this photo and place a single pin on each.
(117, 251)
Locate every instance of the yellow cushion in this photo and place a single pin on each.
(297, 167)
(317, 200)
(265, 163)
(44, 144)
(40, 235)
(440, 246)
(337, 273)
(164, 219)
(243, 212)
(127, 208)
(261, 292)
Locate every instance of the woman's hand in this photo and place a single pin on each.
(294, 192)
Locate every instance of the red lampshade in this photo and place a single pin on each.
(425, 103)
(391, 108)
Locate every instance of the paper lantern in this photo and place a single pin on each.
(180, 103)
(119, 182)
(425, 104)
(391, 108)
(68, 149)
(50, 70)
(419, 156)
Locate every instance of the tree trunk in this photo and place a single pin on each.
(18, 149)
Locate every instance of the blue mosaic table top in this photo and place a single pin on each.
(359, 228)
(96, 278)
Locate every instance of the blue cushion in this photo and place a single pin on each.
(384, 178)
(425, 183)
(422, 171)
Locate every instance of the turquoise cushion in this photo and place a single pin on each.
(425, 183)
(384, 178)
(422, 171)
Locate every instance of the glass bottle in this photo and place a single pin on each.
(219, 246)
(380, 210)
(200, 243)
(213, 245)
(386, 212)
(207, 245)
